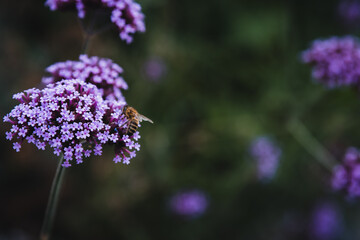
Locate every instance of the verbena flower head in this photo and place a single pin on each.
(266, 154)
(101, 72)
(71, 117)
(191, 203)
(346, 176)
(125, 14)
(335, 61)
(326, 222)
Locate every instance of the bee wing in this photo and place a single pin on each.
(143, 118)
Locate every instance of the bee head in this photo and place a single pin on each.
(125, 108)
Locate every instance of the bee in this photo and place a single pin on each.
(134, 118)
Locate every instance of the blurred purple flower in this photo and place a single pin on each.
(125, 14)
(326, 222)
(71, 117)
(101, 72)
(335, 61)
(349, 11)
(192, 203)
(266, 155)
(154, 68)
(346, 176)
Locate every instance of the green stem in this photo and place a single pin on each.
(88, 30)
(86, 43)
(313, 146)
(52, 202)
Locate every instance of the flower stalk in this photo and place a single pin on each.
(52, 202)
(312, 145)
(86, 43)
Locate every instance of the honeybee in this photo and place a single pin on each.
(134, 118)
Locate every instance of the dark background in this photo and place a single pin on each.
(232, 74)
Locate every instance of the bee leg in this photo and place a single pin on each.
(124, 123)
(127, 129)
(128, 125)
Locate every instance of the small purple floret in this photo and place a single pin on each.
(17, 146)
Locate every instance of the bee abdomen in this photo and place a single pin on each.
(133, 126)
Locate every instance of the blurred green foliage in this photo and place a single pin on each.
(233, 73)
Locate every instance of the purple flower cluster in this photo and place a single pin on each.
(346, 176)
(71, 117)
(101, 72)
(192, 203)
(125, 14)
(335, 61)
(266, 155)
(326, 222)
